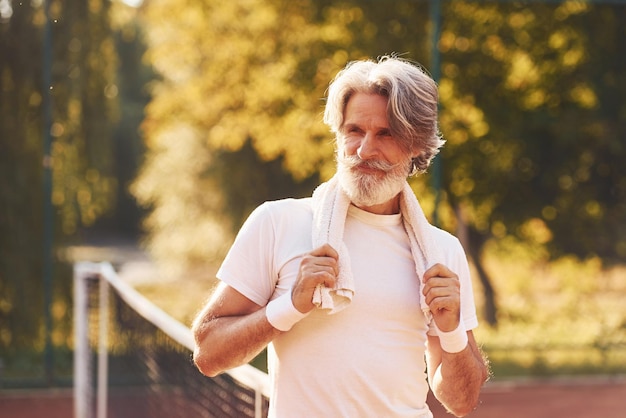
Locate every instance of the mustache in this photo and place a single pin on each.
(354, 161)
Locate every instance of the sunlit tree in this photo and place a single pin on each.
(533, 127)
(233, 75)
(528, 109)
(82, 94)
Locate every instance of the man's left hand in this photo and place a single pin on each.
(443, 296)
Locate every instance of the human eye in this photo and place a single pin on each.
(385, 133)
(353, 130)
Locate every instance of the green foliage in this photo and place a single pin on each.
(257, 85)
(260, 181)
(533, 124)
(561, 317)
(20, 170)
(233, 74)
(245, 74)
(84, 104)
(530, 106)
(82, 101)
(533, 128)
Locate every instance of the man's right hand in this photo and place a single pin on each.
(319, 266)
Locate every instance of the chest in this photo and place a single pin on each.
(386, 282)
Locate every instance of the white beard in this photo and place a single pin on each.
(365, 189)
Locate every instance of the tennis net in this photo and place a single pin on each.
(133, 360)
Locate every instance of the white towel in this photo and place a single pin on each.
(330, 209)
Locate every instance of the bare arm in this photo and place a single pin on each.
(231, 329)
(455, 378)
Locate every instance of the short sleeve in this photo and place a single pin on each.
(249, 264)
(456, 260)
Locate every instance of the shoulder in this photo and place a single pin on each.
(274, 233)
(278, 209)
(445, 238)
(282, 206)
(278, 217)
(452, 249)
(290, 211)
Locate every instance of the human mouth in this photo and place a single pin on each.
(367, 168)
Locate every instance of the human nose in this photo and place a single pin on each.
(368, 148)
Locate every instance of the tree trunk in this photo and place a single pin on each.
(475, 247)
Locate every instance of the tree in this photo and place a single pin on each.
(234, 74)
(521, 84)
(83, 95)
(20, 165)
(241, 77)
(532, 126)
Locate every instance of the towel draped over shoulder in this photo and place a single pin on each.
(330, 209)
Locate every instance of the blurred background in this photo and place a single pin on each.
(144, 133)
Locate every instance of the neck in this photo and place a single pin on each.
(391, 207)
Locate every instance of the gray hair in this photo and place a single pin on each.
(411, 110)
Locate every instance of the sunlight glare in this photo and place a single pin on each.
(6, 10)
(133, 3)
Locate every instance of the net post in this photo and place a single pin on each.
(103, 341)
(245, 376)
(82, 367)
(258, 403)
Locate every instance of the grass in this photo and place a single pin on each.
(555, 318)
(565, 317)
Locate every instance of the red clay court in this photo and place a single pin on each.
(562, 398)
(597, 397)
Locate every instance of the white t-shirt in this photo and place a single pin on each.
(366, 360)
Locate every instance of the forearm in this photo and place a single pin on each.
(230, 341)
(457, 381)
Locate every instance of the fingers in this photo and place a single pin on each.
(442, 292)
(319, 266)
(323, 263)
(438, 270)
(325, 251)
(441, 287)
